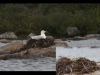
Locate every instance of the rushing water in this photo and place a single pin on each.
(38, 64)
(80, 48)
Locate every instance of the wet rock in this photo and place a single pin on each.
(8, 35)
(5, 41)
(92, 35)
(50, 37)
(79, 38)
(33, 49)
(64, 39)
(13, 46)
(58, 40)
(31, 53)
(73, 31)
(60, 43)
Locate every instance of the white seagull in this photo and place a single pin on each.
(42, 36)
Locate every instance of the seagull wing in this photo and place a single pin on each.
(37, 37)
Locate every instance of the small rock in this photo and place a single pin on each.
(5, 41)
(92, 35)
(8, 35)
(73, 31)
(79, 38)
(50, 37)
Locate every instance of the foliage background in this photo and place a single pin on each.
(53, 17)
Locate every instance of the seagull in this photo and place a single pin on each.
(42, 36)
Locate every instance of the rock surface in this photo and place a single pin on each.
(73, 31)
(60, 43)
(92, 35)
(50, 37)
(8, 35)
(12, 50)
(79, 38)
(13, 46)
(5, 41)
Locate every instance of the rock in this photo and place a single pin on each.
(13, 46)
(60, 43)
(92, 35)
(64, 39)
(8, 35)
(31, 34)
(73, 31)
(50, 37)
(58, 40)
(79, 38)
(5, 41)
(7, 52)
(32, 53)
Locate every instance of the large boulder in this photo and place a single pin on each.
(6, 35)
(13, 46)
(73, 31)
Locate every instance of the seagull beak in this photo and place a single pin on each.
(45, 31)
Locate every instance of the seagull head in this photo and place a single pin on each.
(42, 32)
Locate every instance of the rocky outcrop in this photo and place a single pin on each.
(73, 31)
(32, 53)
(12, 50)
(92, 35)
(5, 41)
(13, 46)
(8, 35)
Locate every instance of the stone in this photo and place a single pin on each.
(32, 53)
(31, 34)
(92, 35)
(13, 46)
(79, 38)
(8, 35)
(73, 31)
(12, 51)
(50, 37)
(5, 41)
(60, 43)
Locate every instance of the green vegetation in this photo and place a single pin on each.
(55, 18)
